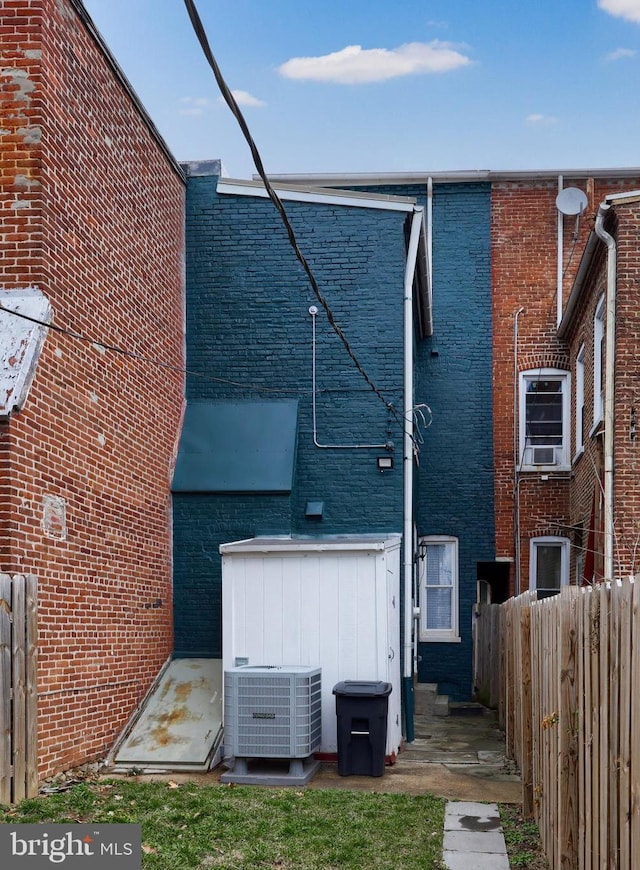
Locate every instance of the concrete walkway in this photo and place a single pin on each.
(473, 838)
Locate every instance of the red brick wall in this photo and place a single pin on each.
(93, 215)
(627, 393)
(524, 274)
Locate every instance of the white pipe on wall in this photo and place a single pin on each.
(412, 254)
(560, 219)
(517, 461)
(609, 384)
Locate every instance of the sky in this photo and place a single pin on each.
(341, 86)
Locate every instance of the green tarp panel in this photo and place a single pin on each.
(237, 447)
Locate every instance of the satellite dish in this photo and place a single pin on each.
(571, 200)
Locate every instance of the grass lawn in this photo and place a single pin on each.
(185, 826)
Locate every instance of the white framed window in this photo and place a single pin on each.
(439, 588)
(545, 407)
(580, 402)
(598, 361)
(548, 564)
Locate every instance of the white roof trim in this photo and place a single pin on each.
(372, 179)
(20, 344)
(622, 198)
(311, 545)
(293, 193)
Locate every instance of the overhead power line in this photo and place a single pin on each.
(138, 357)
(275, 199)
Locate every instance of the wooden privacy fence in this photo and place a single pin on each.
(18, 694)
(567, 670)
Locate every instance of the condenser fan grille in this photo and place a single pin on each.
(272, 712)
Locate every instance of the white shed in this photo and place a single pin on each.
(328, 602)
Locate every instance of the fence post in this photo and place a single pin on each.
(31, 688)
(526, 739)
(635, 719)
(626, 689)
(19, 679)
(5, 689)
(568, 733)
(18, 692)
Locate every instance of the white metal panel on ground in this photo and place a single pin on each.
(324, 602)
(180, 723)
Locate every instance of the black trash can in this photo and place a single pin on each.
(361, 710)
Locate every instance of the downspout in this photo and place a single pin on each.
(610, 349)
(407, 657)
(560, 220)
(517, 461)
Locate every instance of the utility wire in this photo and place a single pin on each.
(130, 354)
(275, 199)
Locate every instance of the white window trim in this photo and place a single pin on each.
(563, 451)
(598, 335)
(431, 635)
(564, 558)
(579, 399)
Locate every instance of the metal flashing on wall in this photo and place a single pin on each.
(22, 334)
(242, 446)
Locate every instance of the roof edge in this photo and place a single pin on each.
(95, 34)
(361, 179)
(329, 196)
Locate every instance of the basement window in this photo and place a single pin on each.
(548, 565)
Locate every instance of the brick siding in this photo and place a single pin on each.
(524, 274)
(93, 215)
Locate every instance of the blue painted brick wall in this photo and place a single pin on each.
(200, 524)
(248, 322)
(455, 479)
(454, 486)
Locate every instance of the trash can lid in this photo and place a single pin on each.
(362, 688)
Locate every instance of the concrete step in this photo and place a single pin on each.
(441, 705)
(465, 708)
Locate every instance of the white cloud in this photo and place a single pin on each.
(194, 105)
(620, 53)
(355, 65)
(542, 120)
(244, 98)
(628, 9)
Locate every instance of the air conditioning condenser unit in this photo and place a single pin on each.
(272, 713)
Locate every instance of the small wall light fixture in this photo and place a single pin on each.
(385, 463)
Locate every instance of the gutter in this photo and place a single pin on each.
(374, 179)
(585, 263)
(610, 349)
(417, 234)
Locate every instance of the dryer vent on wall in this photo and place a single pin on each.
(272, 712)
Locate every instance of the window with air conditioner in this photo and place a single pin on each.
(548, 565)
(439, 588)
(545, 404)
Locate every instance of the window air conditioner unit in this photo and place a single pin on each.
(272, 712)
(543, 456)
